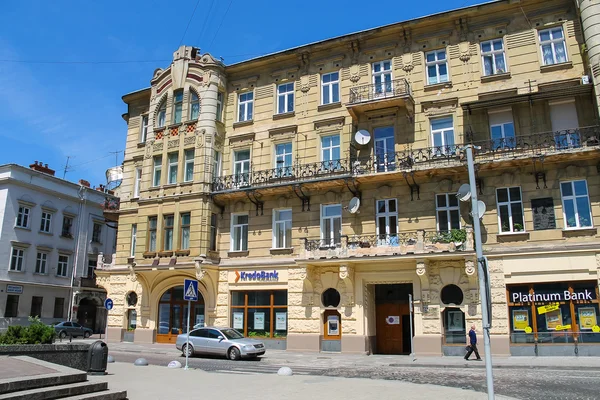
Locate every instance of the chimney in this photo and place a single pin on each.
(85, 183)
(100, 188)
(40, 167)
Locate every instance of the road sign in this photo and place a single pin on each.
(190, 292)
(108, 304)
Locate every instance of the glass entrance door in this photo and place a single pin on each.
(172, 315)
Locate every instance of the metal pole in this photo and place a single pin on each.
(482, 283)
(187, 343)
(410, 309)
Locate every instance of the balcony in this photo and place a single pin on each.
(89, 282)
(405, 243)
(395, 93)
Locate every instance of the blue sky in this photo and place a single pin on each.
(64, 65)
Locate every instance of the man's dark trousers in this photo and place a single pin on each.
(471, 350)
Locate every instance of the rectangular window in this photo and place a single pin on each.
(260, 314)
(189, 165)
(510, 210)
(217, 164)
(12, 306)
(220, 106)
(213, 232)
(442, 136)
(382, 77)
(282, 229)
(239, 228)
(185, 231)
(447, 212)
(177, 106)
(241, 167)
(59, 307)
(283, 159)
(437, 67)
(563, 116)
(45, 225)
(41, 262)
(285, 98)
(23, 217)
(36, 306)
(91, 268)
(157, 171)
(143, 129)
(97, 233)
(330, 152)
(543, 213)
(133, 239)
(576, 204)
(194, 106)
(330, 88)
(137, 183)
(502, 129)
(63, 265)
(246, 105)
(16, 259)
(168, 232)
(552, 45)
(152, 225)
(66, 227)
(331, 224)
(173, 160)
(385, 156)
(492, 57)
(387, 222)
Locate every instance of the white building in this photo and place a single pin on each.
(48, 227)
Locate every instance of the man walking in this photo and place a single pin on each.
(473, 344)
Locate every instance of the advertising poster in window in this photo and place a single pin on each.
(455, 321)
(259, 321)
(200, 320)
(238, 320)
(554, 319)
(280, 321)
(333, 325)
(520, 320)
(587, 318)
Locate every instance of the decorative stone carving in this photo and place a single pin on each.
(421, 267)
(200, 272)
(346, 273)
(189, 140)
(100, 262)
(131, 267)
(173, 144)
(354, 73)
(470, 267)
(465, 52)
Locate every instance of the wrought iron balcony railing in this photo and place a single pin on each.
(378, 91)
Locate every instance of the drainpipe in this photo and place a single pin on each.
(589, 12)
(82, 199)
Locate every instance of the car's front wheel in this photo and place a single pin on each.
(187, 350)
(86, 335)
(62, 334)
(234, 354)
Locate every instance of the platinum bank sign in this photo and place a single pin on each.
(558, 296)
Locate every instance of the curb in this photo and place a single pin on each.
(502, 366)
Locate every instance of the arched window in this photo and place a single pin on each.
(452, 294)
(331, 298)
(177, 106)
(194, 105)
(161, 116)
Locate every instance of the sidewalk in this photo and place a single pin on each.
(289, 358)
(163, 383)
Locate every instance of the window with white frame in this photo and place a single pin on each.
(283, 159)
(217, 164)
(239, 229)
(552, 45)
(16, 259)
(41, 262)
(161, 116)
(382, 76)
(285, 98)
(437, 67)
(143, 128)
(23, 217)
(387, 222)
(168, 222)
(133, 240)
(194, 106)
(177, 106)
(385, 156)
(330, 152)
(63, 265)
(282, 229)
(152, 227)
(502, 129)
(46, 222)
(576, 204)
(219, 106)
(184, 243)
(97, 233)
(189, 165)
(241, 167)
(331, 224)
(330, 88)
(157, 170)
(137, 183)
(66, 227)
(245, 106)
(173, 167)
(447, 212)
(492, 57)
(442, 136)
(510, 210)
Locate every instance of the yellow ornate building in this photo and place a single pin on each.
(312, 192)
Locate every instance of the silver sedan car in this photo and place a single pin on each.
(220, 341)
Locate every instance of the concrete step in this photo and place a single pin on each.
(34, 382)
(57, 392)
(105, 395)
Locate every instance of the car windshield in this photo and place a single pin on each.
(232, 334)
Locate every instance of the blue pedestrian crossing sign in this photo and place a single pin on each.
(190, 290)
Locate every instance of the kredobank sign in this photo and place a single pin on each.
(257, 276)
(557, 296)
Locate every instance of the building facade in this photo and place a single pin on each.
(53, 232)
(313, 192)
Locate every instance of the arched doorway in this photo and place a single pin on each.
(86, 313)
(172, 315)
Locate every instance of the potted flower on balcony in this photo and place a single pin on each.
(518, 227)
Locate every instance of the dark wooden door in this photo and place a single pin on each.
(389, 335)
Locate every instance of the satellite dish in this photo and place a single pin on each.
(362, 137)
(480, 208)
(114, 177)
(464, 192)
(354, 205)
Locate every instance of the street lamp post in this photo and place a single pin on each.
(481, 264)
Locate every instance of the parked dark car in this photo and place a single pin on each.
(67, 328)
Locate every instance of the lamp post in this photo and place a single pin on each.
(482, 273)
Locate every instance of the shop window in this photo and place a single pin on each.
(454, 326)
(131, 319)
(331, 298)
(452, 294)
(543, 214)
(260, 313)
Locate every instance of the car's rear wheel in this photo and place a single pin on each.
(62, 334)
(187, 350)
(86, 335)
(234, 354)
